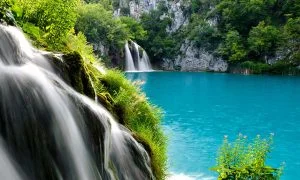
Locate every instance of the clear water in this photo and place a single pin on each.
(200, 108)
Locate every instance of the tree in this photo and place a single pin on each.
(233, 48)
(242, 15)
(264, 40)
(99, 25)
(202, 33)
(55, 18)
(292, 35)
(135, 29)
(158, 43)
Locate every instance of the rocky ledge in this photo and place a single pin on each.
(193, 58)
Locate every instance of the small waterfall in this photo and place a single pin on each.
(133, 57)
(49, 131)
(145, 62)
(129, 65)
(136, 55)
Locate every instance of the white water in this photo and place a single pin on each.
(48, 129)
(129, 64)
(134, 61)
(136, 55)
(182, 176)
(145, 63)
(7, 166)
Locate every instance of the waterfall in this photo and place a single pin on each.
(134, 60)
(145, 62)
(136, 55)
(49, 131)
(129, 65)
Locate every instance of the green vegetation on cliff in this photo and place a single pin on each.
(67, 26)
(237, 31)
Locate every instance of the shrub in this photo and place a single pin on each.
(53, 18)
(246, 160)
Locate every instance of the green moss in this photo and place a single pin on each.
(79, 78)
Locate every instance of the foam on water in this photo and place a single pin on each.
(182, 176)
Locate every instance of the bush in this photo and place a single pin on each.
(246, 160)
(53, 18)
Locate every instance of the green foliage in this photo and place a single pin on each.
(242, 15)
(137, 114)
(233, 47)
(78, 43)
(246, 160)
(202, 33)
(292, 35)
(54, 18)
(5, 13)
(264, 40)
(35, 33)
(99, 25)
(259, 34)
(135, 29)
(107, 4)
(159, 44)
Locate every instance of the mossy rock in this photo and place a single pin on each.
(106, 100)
(79, 78)
(71, 69)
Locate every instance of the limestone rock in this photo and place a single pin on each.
(195, 59)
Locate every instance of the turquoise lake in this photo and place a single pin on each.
(200, 108)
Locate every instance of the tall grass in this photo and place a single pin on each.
(139, 115)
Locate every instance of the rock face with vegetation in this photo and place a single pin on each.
(233, 32)
(193, 58)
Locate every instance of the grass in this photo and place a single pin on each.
(137, 114)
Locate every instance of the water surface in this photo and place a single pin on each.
(200, 108)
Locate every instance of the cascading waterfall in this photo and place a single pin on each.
(129, 64)
(145, 62)
(49, 131)
(136, 55)
(134, 60)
